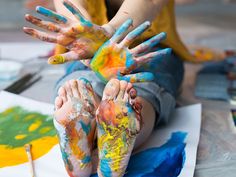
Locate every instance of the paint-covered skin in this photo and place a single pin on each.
(75, 124)
(114, 59)
(118, 124)
(81, 37)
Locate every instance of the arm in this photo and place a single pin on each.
(130, 9)
(81, 37)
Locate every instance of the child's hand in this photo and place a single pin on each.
(82, 37)
(114, 59)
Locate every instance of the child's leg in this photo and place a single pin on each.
(148, 121)
(118, 123)
(75, 122)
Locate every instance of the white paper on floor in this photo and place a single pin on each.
(185, 119)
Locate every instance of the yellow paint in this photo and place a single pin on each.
(15, 156)
(34, 126)
(19, 137)
(29, 117)
(113, 136)
(44, 130)
(56, 59)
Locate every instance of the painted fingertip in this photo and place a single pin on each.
(27, 16)
(129, 21)
(163, 35)
(168, 51)
(40, 9)
(146, 76)
(56, 59)
(147, 23)
(28, 30)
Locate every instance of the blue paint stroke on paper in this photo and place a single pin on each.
(164, 161)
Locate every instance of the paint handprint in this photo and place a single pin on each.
(114, 59)
(82, 38)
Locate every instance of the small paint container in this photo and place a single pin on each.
(9, 69)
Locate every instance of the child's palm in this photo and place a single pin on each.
(115, 60)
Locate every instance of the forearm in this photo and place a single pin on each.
(138, 10)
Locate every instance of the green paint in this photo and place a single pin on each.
(15, 123)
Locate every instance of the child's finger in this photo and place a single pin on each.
(74, 10)
(43, 24)
(138, 77)
(40, 35)
(150, 43)
(134, 34)
(63, 58)
(152, 56)
(120, 32)
(51, 14)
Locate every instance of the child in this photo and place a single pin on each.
(118, 115)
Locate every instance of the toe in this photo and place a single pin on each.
(86, 90)
(58, 102)
(68, 90)
(62, 93)
(130, 92)
(123, 86)
(74, 88)
(132, 95)
(111, 90)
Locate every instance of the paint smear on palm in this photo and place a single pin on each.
(19, 127)
(117, 130)
(112, 62)
(109, 61)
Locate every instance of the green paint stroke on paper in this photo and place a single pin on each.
(19, 126)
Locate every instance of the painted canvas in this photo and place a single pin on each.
(169, 152)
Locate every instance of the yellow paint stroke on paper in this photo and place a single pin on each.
(19, 127)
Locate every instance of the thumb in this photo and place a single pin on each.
(63, 58)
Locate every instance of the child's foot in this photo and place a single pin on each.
(75, 123)
(118, 122)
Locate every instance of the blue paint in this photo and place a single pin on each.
(164, 161)
(129, 59)
(85, 81)
(75, 12)
(105, 167)
(152, 42)
(138, 77)
(122, 29)
(51, 14)
(138, 31)
(161, 54)
(86, 159)
(86, 128)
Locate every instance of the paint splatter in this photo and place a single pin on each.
(19, 127)
(164, 161)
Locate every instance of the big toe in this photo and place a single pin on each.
(58, 102)
(111, 90)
